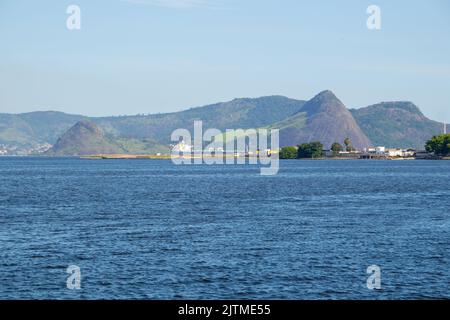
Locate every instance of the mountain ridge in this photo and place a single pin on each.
(392, 124)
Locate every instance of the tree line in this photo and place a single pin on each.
(439, 145)
(313, 150)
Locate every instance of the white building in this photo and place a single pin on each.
(376, 150)
(394, 152)
(409, 153)
(182, 147)
(399, 153)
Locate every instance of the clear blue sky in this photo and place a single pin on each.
(148, 56)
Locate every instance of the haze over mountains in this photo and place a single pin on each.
(323, 118)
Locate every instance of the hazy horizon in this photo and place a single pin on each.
(157, 56)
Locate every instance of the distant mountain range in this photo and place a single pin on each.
(323, 118)
(28, 129)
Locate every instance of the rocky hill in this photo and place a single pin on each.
(87, 138)
(84, 138)
(324, 118)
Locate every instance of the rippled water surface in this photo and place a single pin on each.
(142, 229)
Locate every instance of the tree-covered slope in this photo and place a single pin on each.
(396, 124)
(47, 127)
(32, 128)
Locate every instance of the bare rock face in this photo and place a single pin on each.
(84, 138)
(324, 118)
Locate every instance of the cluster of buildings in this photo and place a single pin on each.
(366, 153)
(390, 152)
(376, 153)
(187, 148)
(9, 150)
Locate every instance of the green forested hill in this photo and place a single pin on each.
(28, 129)
(396, 124)
(47, 127)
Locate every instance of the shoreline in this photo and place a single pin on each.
(168, 157)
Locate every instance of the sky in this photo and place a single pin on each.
(152, 56)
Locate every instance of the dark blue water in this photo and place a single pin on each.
(143, 229)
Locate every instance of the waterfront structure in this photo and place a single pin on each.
(394, 152)
(183, 147)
